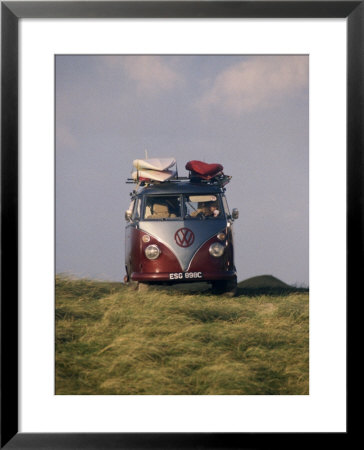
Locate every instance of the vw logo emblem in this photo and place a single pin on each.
(184, 237)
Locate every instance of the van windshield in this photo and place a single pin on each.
(178, 207)
(163, 207)
(202, 207)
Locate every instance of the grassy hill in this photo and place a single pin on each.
(111, 339)
(267, 284)
(263, 281)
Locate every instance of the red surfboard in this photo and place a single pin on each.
(204, 170)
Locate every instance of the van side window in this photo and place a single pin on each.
(131, 207)
(136, 212)
(226, 206)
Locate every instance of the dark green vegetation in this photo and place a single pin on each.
(267, 284)
(111, 339)
(263, 281)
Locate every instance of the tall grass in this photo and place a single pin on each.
(111, 339)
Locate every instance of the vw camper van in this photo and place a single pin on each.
(180, 231)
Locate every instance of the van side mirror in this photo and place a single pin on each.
(128, 215)
(235, 213)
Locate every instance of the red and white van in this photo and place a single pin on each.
(180, 231)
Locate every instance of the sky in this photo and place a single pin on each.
(248, 113)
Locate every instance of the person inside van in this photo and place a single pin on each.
(206, 209)
(159, 208)
(213, 210)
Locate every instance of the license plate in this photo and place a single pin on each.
(185, 276)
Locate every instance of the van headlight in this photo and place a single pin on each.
(152, 252)
(216, 249)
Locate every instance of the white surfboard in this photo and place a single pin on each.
(155, 175)
(154, 163)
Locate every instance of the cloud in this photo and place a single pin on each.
(258, 83)
(152, 74)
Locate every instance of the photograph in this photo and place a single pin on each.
(181, 202)
(181, 224)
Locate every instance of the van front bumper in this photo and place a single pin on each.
(186, 277)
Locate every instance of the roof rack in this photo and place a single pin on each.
(219, 180)
(144, 182)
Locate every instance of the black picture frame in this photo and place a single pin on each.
(11, 12)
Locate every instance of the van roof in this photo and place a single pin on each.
(180, 188)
